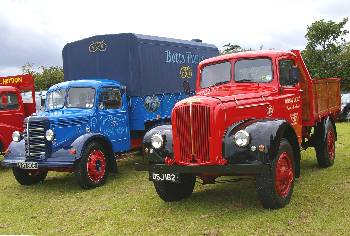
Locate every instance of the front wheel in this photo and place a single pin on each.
(275, 187)
(171, 192)
(91, 170)
(29, 177)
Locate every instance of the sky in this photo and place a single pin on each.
(35, 31)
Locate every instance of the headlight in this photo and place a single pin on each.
(16, 136)
(49, 135)
(242, 138)
(157, 141)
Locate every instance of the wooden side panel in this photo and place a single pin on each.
(326, 97)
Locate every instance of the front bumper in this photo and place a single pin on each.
(229, 169)
(44, 164)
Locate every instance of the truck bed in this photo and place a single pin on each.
(321, 97)
(326, 97)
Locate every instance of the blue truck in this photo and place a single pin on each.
(116, 88)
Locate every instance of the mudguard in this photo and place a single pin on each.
(157, 156)
(266, 132)
(80, 143)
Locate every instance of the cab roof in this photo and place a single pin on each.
(94, 83)
(249, 54)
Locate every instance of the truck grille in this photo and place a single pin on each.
(34, 136)
(192, 124)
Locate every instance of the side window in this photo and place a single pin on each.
(285, 70)
(12, 101)
(110, 98)
(2, 102)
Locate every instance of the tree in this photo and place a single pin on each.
(324, 52)
(233, 48)
(44, 77)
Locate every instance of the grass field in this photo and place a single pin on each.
(128, 204)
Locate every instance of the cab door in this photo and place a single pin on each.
(113, 117)
(290, 94)
(11, 115)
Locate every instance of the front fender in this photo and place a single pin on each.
(80, 143)
(266, 132)
(156, 156)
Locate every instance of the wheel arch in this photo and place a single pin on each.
(83, 141)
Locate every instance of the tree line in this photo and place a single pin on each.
(327, 54)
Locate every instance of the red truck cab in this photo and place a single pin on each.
(17, 101)
(252, 114)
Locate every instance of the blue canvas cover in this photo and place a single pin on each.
(146, 65)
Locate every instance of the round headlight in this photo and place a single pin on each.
(16, 136)
(242, 138)
(157, 141)
(49, 135)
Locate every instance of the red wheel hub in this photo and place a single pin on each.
(330, 144)
(96, 165)
(284, 174)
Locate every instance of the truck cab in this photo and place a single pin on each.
(116, 88)
(251, 115)
(17, 101)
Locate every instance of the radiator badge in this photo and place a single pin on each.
(192, 100)
(270, 110)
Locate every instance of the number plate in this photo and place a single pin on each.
(28, 165)
(175, 178)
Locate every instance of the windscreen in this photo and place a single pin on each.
(253, 71)
(81, 97)
(215, 74)
(55, 99)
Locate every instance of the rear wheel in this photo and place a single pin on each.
(325, 148)
(275, 187)
(29, 177)
(170, 192)
(91, 170)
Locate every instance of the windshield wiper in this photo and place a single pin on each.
(220, 83)
(244, 80)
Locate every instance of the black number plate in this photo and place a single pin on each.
(175, 178)
(28, 165)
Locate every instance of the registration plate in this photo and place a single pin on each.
(28, 165)
(175, 178)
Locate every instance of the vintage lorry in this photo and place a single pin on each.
(17, 101)
(116, 87)
(252, 114)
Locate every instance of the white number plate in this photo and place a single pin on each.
(175, 178)
(28, 165)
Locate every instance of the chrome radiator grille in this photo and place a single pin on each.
(193, 130)
(34, 136)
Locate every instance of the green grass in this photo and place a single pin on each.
(128, 204)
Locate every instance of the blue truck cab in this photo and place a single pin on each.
(116, 88)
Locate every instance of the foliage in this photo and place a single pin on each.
(128, 204)
(44, 77)
(232, 48)
(327, 53)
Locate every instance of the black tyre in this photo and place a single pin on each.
(91, 171)
(275, 187)
(325, 146)
(29, 177)
(170, 192)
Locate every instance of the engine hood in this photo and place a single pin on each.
(227, 93)
(67, 113)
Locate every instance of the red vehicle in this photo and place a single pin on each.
(251, 115)
(17, 101)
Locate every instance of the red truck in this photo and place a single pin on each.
(252, 114)
(17, 101)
